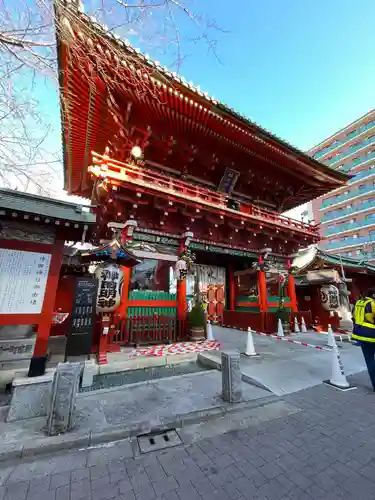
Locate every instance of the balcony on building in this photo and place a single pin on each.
(194, 196)
(354, 134)
(359, 253)
(349, 241)
(356, 192)
(351, 150)
(353, 225)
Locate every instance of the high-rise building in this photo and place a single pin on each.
(347, 214)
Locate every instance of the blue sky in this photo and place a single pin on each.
(300, 68)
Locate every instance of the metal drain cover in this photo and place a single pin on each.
(158, 441)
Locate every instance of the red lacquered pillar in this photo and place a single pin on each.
(262, 286)
(38, 361)
(232, 289)
(292, 290)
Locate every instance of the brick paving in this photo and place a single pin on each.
(325, 452)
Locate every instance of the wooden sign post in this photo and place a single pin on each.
(82, 323)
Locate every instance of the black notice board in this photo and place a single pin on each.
(82, 321)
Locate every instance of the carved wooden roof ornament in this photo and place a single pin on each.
(113, 251)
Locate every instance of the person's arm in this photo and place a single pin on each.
(353, 312)
(370, 312)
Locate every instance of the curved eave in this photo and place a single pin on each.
(334, 175)
(335, 260)
(173, 79)
(322, 177)
(60, 72)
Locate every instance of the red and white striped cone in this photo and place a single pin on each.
(303, 325)
(209, 331)
(250, 349)
(296, 326)
(338, 378)
(280, 330)
(331, 342)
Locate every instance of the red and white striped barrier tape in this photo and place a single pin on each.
(291, 341)
(58, 318)
(286, 339)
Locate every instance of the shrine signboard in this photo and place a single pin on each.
(23, 280)
(82, 322)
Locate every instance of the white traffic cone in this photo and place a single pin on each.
(338, 378)
(331, 338)
(296, 326)
(303, 325)
(280, 330)
(209, 331)
(250, 349)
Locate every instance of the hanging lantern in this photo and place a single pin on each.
(181, 269)
(329, 297)
(111, 279)
(183, 265)
(282, 278)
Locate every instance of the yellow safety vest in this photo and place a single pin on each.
(363, 330)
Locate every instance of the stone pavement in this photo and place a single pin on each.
(283, 367)
(324, 451)
(124, 411)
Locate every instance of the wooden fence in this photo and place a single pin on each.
(149, 302)
(155, 329)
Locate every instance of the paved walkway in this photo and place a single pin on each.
(283, 367)
(145, 405)
(325, 451)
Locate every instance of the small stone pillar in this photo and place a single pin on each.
(61, 409)
(231, 377)
(90, 369)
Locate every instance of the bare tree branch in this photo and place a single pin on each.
(140, 5)
(28, 72)
(9, 40)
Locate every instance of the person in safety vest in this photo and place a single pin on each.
(364, 330)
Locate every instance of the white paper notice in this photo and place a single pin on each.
(23, 280)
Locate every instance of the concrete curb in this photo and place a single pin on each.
(129, 364)
(86, 439)
(87, 394)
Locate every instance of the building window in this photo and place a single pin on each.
(358, 252)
